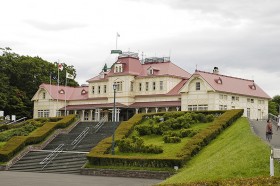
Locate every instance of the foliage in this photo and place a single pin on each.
(20, 77)
(16, 143)
(136, 144)
(98, 155)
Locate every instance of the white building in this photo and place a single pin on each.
(156, 85)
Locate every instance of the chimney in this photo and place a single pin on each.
(216, 70)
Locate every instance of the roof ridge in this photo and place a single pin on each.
(225, 75)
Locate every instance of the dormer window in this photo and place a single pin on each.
(219, 80)
(61, 91)
(253, 86)
(151, 71)
(83, 92)
(118, 68)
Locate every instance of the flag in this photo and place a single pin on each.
(118, 35)
(60, 66)
(69, 76)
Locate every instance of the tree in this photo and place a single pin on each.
(272, 108)
(276, 100)
(20, 77)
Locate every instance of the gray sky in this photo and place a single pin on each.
(240, 37)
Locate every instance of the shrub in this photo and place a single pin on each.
(171, 139)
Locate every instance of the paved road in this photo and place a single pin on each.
(11, 178)
(259, 127)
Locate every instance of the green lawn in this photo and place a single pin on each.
(236, 153)
(169, 149)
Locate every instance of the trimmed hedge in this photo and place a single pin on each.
(17, 143)
(99, 154)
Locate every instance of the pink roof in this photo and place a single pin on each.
(92, 106)
(177, 88)
(72, 93)
(132, 66)
(165, 68)
(232, 84)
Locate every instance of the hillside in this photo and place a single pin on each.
(236, 153)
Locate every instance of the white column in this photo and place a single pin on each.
(67, 112)
(166, 109)
(146, 110)
(75, 111)
(136, 111)
(177, 108)
(156, 109)
(98, 114)
(83, 115)
(118, 115)
(90, 115)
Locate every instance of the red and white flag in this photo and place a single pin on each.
(60, 66)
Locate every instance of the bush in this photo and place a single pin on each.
(171, 139)
(136, 144)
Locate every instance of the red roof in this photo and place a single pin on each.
(132, 66)
(234, 85)
(71, 93)
(93, 106)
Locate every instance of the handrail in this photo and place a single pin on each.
(80, 137)
(100, 124)
(51, 156)
(17, 120)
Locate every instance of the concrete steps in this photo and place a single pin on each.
(65, 162)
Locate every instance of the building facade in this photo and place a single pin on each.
(153, 85)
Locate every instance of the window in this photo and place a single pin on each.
(192, 107)
(197, 86)
(131, 86)
(202, 107)
(151, 72)
(222, 107)
(99, 89)
(234, 98)
(118, 68)
(261, 101)
(154, 85)
(161, 85)
(140, 86)
(252, 100)
(147, 86)
(43, 113)
(105, 88)
(119, 86)
(92, 89)
(44, 95)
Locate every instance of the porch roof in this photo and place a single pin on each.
(93, 106)
(156, 104)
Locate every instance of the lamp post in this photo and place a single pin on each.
(114, 118)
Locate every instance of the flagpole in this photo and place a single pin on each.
(57, 88)
(65, 92)
(50, 94)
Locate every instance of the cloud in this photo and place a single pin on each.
(59, 26)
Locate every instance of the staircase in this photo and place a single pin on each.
(67, 152)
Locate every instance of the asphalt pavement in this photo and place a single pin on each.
(259, 127)
(12, 178)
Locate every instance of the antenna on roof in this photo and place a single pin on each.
(196, 67)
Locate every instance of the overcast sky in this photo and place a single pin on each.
(240, 37)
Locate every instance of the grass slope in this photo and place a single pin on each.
(236, 153)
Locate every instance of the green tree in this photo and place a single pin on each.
(272, 108)
(276, 100)
(20, 77)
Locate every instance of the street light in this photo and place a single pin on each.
(114, 118)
